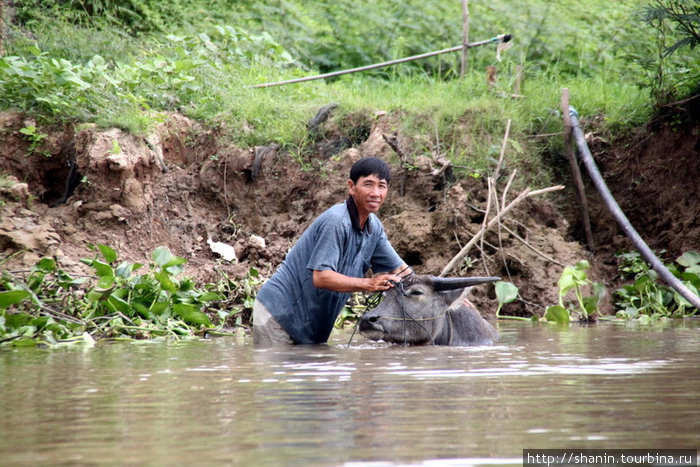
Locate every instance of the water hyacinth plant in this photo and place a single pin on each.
(645, 299)
(574, 278)
(49, 306)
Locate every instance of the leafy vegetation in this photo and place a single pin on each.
(683, 14)
(506, 292)
(50, 307)
(675, 24)
(123, 63)
(574, 278)
(646, 299)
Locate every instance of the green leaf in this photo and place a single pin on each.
(567, 281)
(164, 258)
(142, 310)
(590, 305)
(681, 299)
(159, 307)
(119, 304)
(104, 283)
(689, 259)
(102, 269)
(190, 315)
(187, 285)
(46, 264)
(93, 296)
(176, 261)
(25, 342)
(34, 50)
(13, 297)
(599, 291)
(209, 296)
(161, 256)
(180, 308)
(124, 269)
(17, 320)
(506, 292)
(197, 318)
(41, 322)
(66, 281)
(108, 253)
(557, 313)
(165, 282)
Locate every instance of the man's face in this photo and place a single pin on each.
(369, 193)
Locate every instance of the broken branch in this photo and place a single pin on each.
(523, 195)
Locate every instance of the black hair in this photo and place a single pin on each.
(370, 166)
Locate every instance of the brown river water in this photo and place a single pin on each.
(224, 402)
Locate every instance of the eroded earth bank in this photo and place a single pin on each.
(182, 186)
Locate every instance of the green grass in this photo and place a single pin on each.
(126, 63)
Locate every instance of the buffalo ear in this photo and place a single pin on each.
(451, 283)
(449, 296)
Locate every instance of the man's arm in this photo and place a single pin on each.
(337, 282)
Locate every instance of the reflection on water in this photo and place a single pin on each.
(223, 402)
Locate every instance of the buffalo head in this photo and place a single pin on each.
(429, 310)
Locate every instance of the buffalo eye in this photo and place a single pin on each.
(416, 292)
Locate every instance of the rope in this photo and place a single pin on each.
(432, 318)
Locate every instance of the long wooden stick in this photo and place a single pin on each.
(499, 38)
(465, 36)
(503, 151)
(575, 171)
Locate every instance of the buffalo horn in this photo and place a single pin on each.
(451, 283)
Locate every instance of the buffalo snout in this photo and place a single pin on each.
(371, 327)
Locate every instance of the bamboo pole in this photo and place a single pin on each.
(465, 36)
(575, 171)
(499, 38)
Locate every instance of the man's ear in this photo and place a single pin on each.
(351, 187)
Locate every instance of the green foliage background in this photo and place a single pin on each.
(124, 62)
(116, 62)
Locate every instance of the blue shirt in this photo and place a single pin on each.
(333, 242)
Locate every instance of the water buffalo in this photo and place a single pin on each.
(429, 310)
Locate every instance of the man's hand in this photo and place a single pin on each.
(383, 282)
(337, 282)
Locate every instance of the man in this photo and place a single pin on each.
(301, 301)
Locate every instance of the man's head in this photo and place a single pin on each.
(368, 185)
(370, 166)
